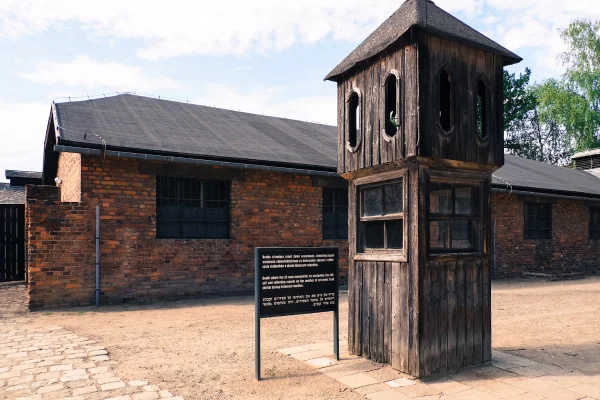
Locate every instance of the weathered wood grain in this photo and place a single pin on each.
(461, 311)
(422, 313)
(477, 313)
(452, 360)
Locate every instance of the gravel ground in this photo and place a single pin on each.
(204, 349)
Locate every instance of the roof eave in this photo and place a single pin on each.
(67, 143)
(547, 192)
(508, 56)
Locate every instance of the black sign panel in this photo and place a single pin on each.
(292, 281)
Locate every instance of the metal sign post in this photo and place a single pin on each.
(295, 281)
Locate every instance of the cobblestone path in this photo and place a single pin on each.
(54, 363)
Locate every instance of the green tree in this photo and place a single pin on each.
(518, 99)
(573, 102)
(530, 130)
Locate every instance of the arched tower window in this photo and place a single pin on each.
(481, 110)
(445, 101)
(392, 109)
(354, 120)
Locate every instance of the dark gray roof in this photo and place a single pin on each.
(167, 127)
(427, 16)
(146, 124)
(9, 173)
(11, 195)
(527, 174)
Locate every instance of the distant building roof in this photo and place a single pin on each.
(11, 195)
(425, 15)
(588, 153)
(153, 126)
(134, 123)
(588, 161)
(22, 174)
(521, 173)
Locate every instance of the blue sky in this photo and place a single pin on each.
(265, 56)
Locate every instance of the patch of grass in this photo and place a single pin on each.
(81, 312)
(48, 313)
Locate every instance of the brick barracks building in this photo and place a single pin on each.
(186, 193)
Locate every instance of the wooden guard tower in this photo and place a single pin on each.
(420, 131)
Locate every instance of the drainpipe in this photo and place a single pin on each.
(494, 251)
(97, 256)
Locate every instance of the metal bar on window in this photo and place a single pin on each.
(184, 197)
(389, 217)
(444, 217)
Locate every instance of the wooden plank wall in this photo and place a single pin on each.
(455, 324)
(370, 81)
(379, 314)
(465, 64)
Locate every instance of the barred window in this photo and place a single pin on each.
(538, 221)
(335, 214)
(190, 208)
(454, 217)
(381, 223)
(595, 223)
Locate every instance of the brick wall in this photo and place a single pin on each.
(267, 209)
(69, 170)
(570, 249)
(60, 251)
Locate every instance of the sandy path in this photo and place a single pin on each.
(205, 349)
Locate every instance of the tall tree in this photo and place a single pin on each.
(518, 99)
(530, 130)
(573, 102)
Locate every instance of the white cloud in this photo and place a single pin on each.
(537, 23)
(83, 72)
(182, 27)
(245, 27)
(22, 135)
(273, 101)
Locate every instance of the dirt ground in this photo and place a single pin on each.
(551, 322)
(204, 349)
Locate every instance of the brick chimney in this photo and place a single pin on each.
(588, 161)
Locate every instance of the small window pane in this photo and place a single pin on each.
(392, 199)
(464, 200)
(168, 228)
(327, 201)
(438, 235)
(373, 235)
(538, 221)
(335, 214)
(440, 198)
(595, 223)
(192, 208)
(461, 235)
(394, 231)
(372, 202)
(341, 227)
(381, 225)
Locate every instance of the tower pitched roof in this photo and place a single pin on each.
(425, 15)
